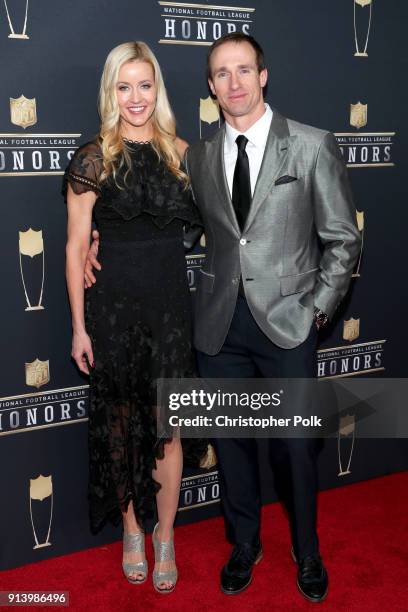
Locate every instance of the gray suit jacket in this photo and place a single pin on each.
(299, 244)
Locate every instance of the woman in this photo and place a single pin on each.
(138, 314)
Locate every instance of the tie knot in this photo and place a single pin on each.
(241, 141)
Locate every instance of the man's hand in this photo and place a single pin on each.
(91, 261)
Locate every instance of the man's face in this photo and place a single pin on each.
(235, 79)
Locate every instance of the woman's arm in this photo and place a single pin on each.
(79, 229)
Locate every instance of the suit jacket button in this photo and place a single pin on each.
(243, 241)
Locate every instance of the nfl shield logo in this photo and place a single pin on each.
(351, 329)
(360, 219)
(23, 111)
(358, 115)
(37, 373)
(209, 110)
(210, 458)
(40, 487)
(31, 242)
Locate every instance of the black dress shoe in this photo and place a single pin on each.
(312, 579)
(236, 575)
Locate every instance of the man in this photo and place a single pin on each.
(282, 242)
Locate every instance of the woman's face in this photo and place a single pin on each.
(136, 95)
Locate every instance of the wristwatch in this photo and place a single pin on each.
(320, 318)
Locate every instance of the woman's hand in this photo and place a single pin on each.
(82, 351)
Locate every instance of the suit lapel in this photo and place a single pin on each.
(215, 161)
(275, 156)
(274, 159)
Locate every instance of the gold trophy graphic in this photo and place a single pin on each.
(12, 34)
(31, 244)
(360, 225)
(347, 428)
(362, 4)
(209, 112)
(40, 489)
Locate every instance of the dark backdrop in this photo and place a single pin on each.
(314, 77)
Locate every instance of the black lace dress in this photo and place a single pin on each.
(138, 315)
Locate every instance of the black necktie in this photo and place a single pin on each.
(241, 186)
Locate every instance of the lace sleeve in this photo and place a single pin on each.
(84, 170)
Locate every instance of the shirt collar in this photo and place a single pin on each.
(257, 134)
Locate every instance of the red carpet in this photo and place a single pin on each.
(364, 539)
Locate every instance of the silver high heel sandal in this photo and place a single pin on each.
(163, 551)
(134, 542)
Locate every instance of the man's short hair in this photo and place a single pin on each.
(237, 37)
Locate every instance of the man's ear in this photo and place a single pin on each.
(263, 77)
(211, 86)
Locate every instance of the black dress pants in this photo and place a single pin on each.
(248, 353)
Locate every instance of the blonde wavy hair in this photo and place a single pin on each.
(114, 151)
